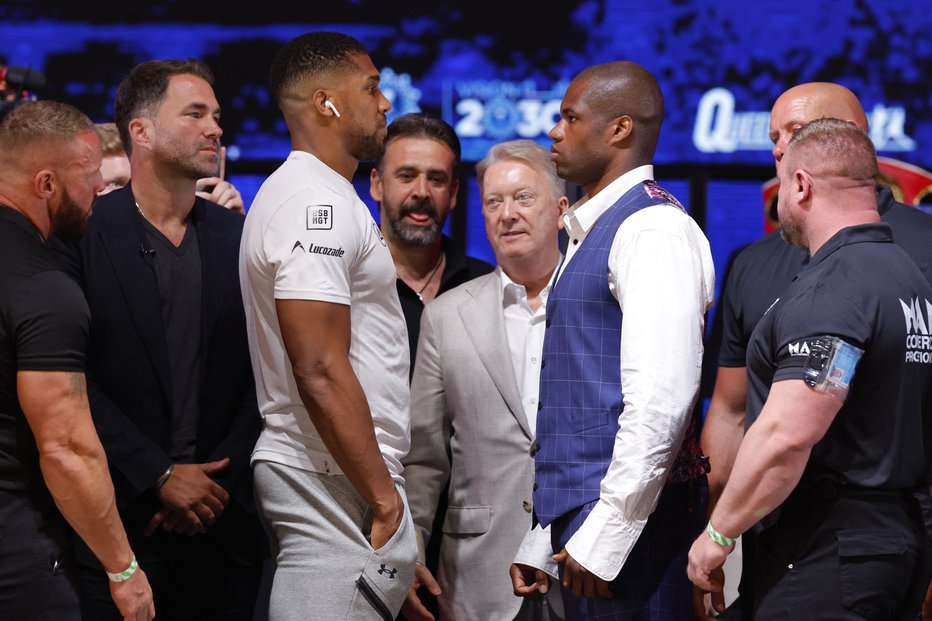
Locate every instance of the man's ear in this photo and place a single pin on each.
(140, 132)
(44, 184)
(319, 102)
(375, 185)
(562, 204)
(802, 186)
(454, 190)
(619, 129)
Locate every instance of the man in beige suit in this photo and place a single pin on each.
(474, 400)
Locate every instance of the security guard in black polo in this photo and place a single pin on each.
(839, 376)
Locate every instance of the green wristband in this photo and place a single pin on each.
(719, 538)
(126, 574)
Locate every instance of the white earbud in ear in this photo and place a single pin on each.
(330, 105)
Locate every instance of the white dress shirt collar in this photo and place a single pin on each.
(512, 292)
(579, 218)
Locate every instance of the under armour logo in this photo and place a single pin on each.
(391, 572)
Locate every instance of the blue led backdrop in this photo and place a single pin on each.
(497, 70)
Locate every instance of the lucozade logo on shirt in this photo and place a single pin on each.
(917, 313)
(315, 249)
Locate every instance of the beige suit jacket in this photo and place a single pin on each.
(469, 428)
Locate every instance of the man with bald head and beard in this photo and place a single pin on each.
(839, 388)
(621, 360)
(761, 272)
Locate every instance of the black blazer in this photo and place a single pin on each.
(128, 373)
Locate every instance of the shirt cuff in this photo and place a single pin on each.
(536, 550)
(421, 545)
(604, 541)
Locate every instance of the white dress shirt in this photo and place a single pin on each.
(660, 271)
(525, 329)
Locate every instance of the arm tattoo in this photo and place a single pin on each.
(78, 385)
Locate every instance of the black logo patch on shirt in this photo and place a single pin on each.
(319, 217)
(385, 570)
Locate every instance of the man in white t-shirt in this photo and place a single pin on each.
(329, 348)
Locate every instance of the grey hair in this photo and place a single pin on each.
(527, 152)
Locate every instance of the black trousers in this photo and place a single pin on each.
(37, 577)
(864, 556)
(652, 584)
(214, 576)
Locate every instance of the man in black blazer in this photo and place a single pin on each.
(170, 383)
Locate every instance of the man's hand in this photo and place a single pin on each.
(221, 192)
(386, 524)
(216, 190)
(579, 580)
(175, 522)
(701, 605)
(133, 598)
(705, 569)
(192, 500)
(413, 609)
(529, 581)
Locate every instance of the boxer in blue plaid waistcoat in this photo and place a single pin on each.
(633, 495)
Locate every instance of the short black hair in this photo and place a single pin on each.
(417, 125)
(145, 87)
(311, 54)
(626, 88)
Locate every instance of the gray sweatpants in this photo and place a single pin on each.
(325, 568)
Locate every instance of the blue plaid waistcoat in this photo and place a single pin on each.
(580, 377)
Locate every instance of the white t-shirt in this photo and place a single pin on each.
(308, 236)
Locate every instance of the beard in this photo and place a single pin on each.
(365, 147)
(68, 220)
(177, 157)
(190, 167)
(364, 144)
(412, 234)
(791, 231)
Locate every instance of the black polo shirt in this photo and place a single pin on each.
(763, 270)
(459, 269)
(44, 322)
(864, 289)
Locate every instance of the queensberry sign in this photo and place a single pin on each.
(721, 128)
